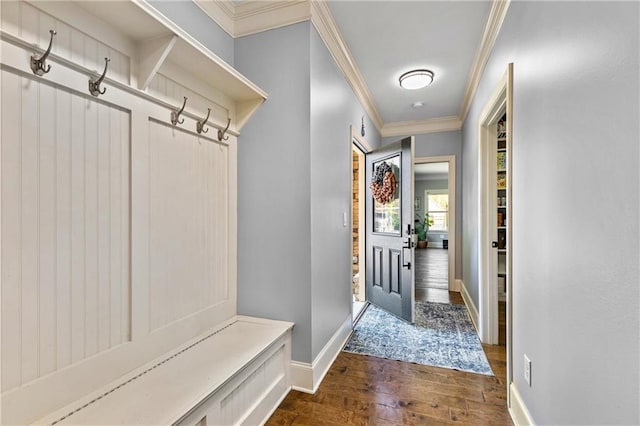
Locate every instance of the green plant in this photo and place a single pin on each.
(422, 226)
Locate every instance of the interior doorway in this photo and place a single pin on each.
(496, 219)
(431, 185)
(358, 269)
(435, 207)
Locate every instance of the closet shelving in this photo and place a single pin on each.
(502, 189)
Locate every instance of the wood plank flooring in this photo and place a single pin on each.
(364, 390)
(432, 268)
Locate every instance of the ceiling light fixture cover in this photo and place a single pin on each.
(416, 79)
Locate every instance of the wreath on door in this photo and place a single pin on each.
(383, 183)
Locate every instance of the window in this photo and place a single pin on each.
(438, 210)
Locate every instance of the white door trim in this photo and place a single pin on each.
(451, 160)
(360, 143)
(501, 101)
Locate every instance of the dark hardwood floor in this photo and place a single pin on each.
(364, 390)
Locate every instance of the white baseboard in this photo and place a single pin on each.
(456, 285)
(519, 412)
(307, 377)
(471, 307)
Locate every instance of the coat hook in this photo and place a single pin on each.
(221, 133)
(38, 64)
(200, 124)
(362, 129)
(94, 85)
(175, 115)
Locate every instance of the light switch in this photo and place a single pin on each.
(344, 219)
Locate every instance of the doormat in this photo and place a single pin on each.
(443, 336)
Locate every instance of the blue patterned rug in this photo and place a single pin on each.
(442, 336)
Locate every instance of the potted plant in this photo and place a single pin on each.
(421, 230)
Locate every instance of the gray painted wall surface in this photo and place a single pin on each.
(274, 201)
(575, 206)
(333, 109)
(197, 23)
(294, 183)
(445, 143)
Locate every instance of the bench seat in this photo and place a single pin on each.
(235, 374)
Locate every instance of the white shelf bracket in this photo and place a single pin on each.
(152, 54)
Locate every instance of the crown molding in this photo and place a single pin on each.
(253, 17)
(221, 12)
(491, 30)
(418, 127)
(322, 19)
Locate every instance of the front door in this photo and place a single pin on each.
(390, 228)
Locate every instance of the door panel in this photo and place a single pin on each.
(389, 229)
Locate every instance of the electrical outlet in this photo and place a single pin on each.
(527, 370)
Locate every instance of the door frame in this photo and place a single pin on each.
(500, 102)
(361, 144)
(454, 284)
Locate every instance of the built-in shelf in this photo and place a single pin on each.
(145, 44)
(502, 227)
(502, 251)
(502, 171)
(502, 150)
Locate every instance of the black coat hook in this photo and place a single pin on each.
(38, 64)
(221, 133)
(362, 129)
(175, 115)
(94, 85)
(200, 124)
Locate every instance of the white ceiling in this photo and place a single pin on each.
(387, 38)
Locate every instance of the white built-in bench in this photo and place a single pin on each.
(235, 374)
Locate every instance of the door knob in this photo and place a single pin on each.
(494, 244)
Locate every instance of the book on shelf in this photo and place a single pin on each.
(502, 181)
(502, 161)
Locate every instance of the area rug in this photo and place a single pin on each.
(442, 336)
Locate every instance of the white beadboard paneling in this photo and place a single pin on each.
(65, 190)
(11, 231)
(30, 160)
(63, 226)
(33, 25)
(46, 229)
(188, 220)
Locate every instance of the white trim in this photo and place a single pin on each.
(307, 377)
(468, 301)
(322, 19)
(418, 127)
(221, 12)
(491, 30)
(457, 285)
(302, 377)
(251, 17)
(518, 410)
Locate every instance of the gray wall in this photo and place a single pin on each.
(197, 23)
(445, 143)
(294, 180)
(333, 109)
(575, 206)
(274, 200)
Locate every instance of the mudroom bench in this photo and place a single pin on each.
(234, 374)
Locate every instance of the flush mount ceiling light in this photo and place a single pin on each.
(416, 79)
(418, 104)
